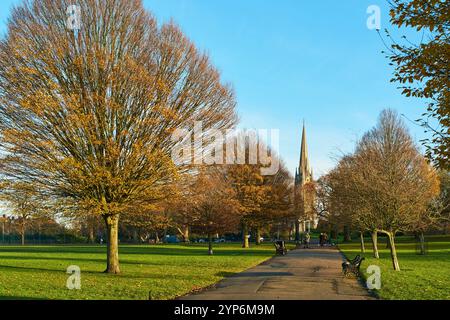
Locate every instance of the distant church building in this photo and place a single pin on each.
(304, 192)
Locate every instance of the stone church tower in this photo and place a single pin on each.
(306, 217)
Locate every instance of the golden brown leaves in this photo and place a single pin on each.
(88, 115)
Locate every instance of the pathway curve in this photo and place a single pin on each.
(303, 274)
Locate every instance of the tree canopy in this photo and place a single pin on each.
(87, 115)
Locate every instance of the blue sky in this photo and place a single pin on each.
(291, 60)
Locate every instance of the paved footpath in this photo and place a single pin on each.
(303, 274)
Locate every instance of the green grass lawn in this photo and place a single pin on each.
(422, 277)
(167, 271)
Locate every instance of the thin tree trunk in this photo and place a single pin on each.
(363, 247)
(258, 236)
(374, 236)
(422, 243)
(164, 240)
(22, 232)
(291, 233)
(245, 235)
(39, 232)
(210, 249)
(112, 254)
(135, 236)
(347, 234)
(91, 234)
(393, 250)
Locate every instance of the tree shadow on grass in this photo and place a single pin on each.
(55, 249)
(33, 269)
(14, 298)
(72, 260)
(149, 262)
(144, 250)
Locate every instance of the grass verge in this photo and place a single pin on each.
(422, 277)
(164, 271)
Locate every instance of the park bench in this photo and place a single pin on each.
(280, 247)
(351, 267)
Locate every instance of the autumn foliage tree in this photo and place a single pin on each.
(252, 184)
(246, 180)
(442, 205)
(25, 203)
(213, 206)
(400, 182)
(247, 183)
(342, 201)
(178, 207)
(386, 185)
(146, 223)
(87, 115)
(422, 67)
(273, 199)
(277, 206)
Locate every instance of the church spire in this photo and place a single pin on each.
(304, 167)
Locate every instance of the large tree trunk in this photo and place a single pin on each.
(347, 234)
(258, 236)
(112, 254)
(186, 234)
(245, 236)
(210, 249)
(363, 247)
(393, 250)
(297, 232)
(374, 236)
(422, 243)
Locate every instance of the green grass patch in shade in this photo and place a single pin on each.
(422, 277)
(165, 271)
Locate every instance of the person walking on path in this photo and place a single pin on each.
(307, 240)
(325, 238)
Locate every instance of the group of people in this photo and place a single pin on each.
(323, 239)
(306, 239)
